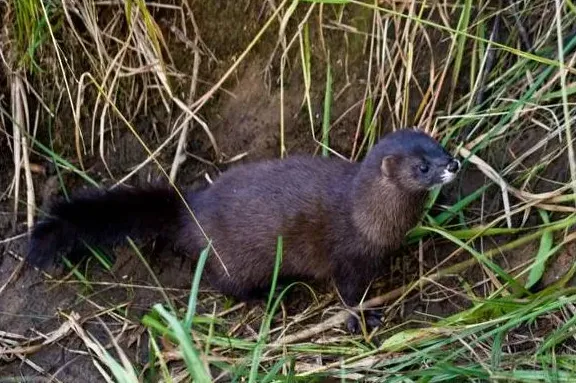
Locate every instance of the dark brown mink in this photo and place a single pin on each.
(339, 220)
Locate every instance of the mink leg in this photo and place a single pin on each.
(352, 285)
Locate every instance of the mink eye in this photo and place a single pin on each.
(423, 168)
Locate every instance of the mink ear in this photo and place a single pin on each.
(388, 165)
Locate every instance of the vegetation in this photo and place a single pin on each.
(494, 80)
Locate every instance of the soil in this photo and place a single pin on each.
(245, 120)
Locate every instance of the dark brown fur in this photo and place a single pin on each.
(338, 220)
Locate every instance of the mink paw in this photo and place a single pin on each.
(373, 320)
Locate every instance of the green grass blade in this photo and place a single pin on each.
(265, 323)
(544, 252)
(327, 110)
(463, 24)
(192, 300)
(189, 352)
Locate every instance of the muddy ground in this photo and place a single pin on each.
(245, 120)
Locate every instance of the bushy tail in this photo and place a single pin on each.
(103, 218)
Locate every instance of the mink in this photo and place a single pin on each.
(339, 220)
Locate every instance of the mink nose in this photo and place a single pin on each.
(453, 166)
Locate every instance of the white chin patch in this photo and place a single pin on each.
(447, 177)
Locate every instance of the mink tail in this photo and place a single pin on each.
(103, 218)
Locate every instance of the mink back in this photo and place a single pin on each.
(304, 199)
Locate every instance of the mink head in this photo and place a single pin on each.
(413, 160)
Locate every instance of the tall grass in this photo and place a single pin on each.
(460, 69)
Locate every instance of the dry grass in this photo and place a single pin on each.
(493, 80)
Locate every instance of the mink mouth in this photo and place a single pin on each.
(447, 177)
(448, 174)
